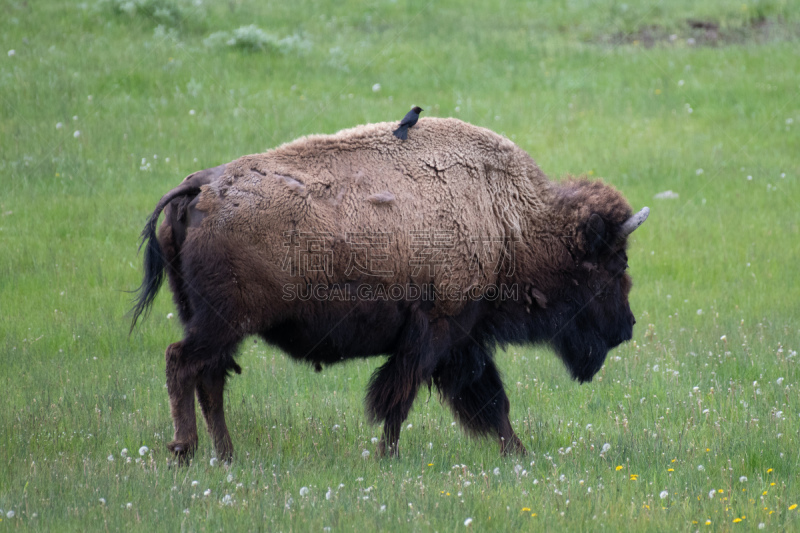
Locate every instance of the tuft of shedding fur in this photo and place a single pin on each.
(245, 246)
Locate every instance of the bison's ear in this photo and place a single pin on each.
(595, 233)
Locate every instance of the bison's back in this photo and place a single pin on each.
(438, 208)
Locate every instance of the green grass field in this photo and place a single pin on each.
(106, 106)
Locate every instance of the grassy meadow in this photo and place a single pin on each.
(693, 425)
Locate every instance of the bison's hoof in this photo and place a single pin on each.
(182, 451)
(513, 446)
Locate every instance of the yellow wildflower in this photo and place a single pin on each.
(793, 507)
(736, 520)
(620, 467)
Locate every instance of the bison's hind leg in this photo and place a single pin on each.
(470, 383)
(210, 389)
(181, 378)
(199, 365)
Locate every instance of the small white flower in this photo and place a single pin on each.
(605, 448)
(110, 458)
(102, 501)
(467, 522)
(335, 427)
(663, 495)
(711, 494)
(743, 479)
(496, 471)
(376, 87)
(303, 491)
(723, 338)
(143, 450)
(129, 505)
(365, 454)
(186, 511)
(76, 134)
(191, 111)
(169, 316)
(10, 514)
(194, 483)
(213, 461)
(12, 53)
(207, 492)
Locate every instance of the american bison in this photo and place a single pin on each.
(432, 252)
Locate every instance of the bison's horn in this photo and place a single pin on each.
(634, 222)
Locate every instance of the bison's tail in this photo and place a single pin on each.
(154, 262)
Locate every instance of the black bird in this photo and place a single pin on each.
(408, 121)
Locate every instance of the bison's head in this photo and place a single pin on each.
(592, 313)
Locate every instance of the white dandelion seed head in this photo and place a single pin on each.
(700, 468)
(207, 492)
(376, 87)
(169, 316)
(213, 461)
(761, 525)
(605, 448)
(680, 83)
(374, 440)
(191, 111)
(143, 450)
(303, 491)
(698, 171)
(329, 494)
(129, 505)
(496, 471)
(711, 494)
(226, 500)
(743, 479)
(335, 427)
(124, 452)
(110, 458)
(663, 494)
(468, 522)
(383, 508)
(59, 125)
(12, 53)
(10, 514)
(186, 511)
(76, 134)
(779, 381)
(230, 478)
(194, 483)
(699, 311)
(365, 454)
(409, 426)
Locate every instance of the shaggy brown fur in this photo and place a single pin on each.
(485, 206)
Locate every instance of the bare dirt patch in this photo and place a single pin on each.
(710, 33)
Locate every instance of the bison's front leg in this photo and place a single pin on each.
(210, 388)
(390, 397)
(180, 386)
(479, 403)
